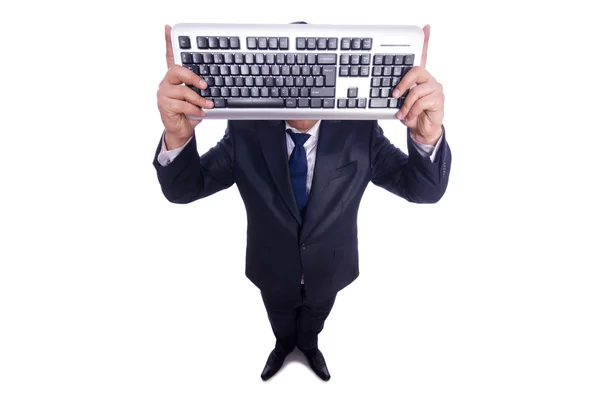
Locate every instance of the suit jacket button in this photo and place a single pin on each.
(303, 246)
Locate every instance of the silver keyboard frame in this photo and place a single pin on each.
(387, 39)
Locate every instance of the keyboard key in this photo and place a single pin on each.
(215, 92)
(388, 59)
(344, 71)
(300, 43)
(351, 103)
(255, 70)
(275, 70)
(316, 102)
(311, 59)
(361, 103)
(387, 71)
(249, 59)
(299, 81)
(228, 58)
(322, 92)
(284, 92)
(385, 93)
(354, 71)
(234, 92)
(344, 59)
(290, 59)
(219, 102)
(304, 92)
(259, 59)
(386, 82)
(409, 59)
(367, 43)
(393, 103)
(239, 81)
(376, 82)
(356, 44)
(309, 81)
(305, 70)
(322, 43)
(202, 43)
(280, 59)
(397, 71)
(315, 70)
(273, 43)
(245, 70)
(186, 57)
(184, 42)
(332, 43)
(346, 43)
(255, 103)
(377, 71)
(291, 102)
(378, 59)
(239, 58)
(365, 59)
(303, 102)
(262, 43)
(213, 42)
(197, 57)
(355, 59)
(374, 93)
(251, 43)
(328, 103)
(229, 82)
(352, 92)
(254, 92)
(283, 43)
(218, 58)
(319, 81)
(234, 43)
(285, 70)
(378, 103)
(224, 43)
(364, 71)
(259, 81)
(398, 59)
(270, 59)
(342, 103)
(265, 70)
(327, 59)
(245, 91)
(311, 43)
(193, 68)
(329, 74)
(225, 91)
(249, 81)
(219, 81)
(264, 92)
(224, 69)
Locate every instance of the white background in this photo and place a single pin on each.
(107, 289)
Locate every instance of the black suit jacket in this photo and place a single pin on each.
(281, 245)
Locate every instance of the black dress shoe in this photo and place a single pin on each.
(317, 363)
(274, 363)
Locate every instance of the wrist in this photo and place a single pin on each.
(173, 142)
(430, 138)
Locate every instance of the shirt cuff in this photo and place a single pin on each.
(427, 150)
(166, 157)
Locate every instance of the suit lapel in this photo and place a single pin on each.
(274, 149)
(329, 150)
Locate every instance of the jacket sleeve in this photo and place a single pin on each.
(411, 176)
(191, 177)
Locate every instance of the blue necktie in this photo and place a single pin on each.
(299, 168)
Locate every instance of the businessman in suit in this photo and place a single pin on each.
(301, 182)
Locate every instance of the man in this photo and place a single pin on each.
(301, 182)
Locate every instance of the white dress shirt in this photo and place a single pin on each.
(165, 157)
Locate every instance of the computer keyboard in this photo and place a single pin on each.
(299, 71)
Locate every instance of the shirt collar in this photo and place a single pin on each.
(314, 131)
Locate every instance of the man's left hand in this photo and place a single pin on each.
(423, 108)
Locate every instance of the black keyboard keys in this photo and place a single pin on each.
(255, 102)
(184, 42)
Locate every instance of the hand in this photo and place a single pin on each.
(176, 100)
(423, 108)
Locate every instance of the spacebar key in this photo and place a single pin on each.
(255, 103)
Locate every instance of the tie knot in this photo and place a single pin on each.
(299, 139)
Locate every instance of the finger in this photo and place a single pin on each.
(425, 103)
(414, 95)
(416, 75)
(182, 107)
(183, 93)
(170, 58)
(427, 31)
(179, 74)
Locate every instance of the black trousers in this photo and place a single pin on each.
(296, 322)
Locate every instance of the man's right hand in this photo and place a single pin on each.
(176, 100)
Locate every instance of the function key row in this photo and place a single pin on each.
(316, 43)
(355, 43)
(394, 59)
(258, 58)
(267, 43)
(215, 43)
